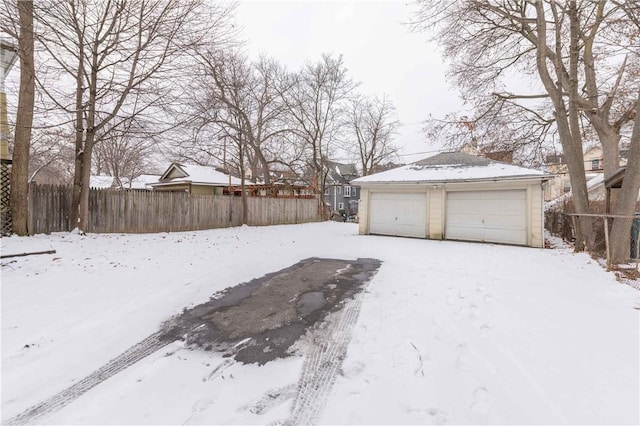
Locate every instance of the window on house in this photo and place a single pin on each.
(340, 206)
(347, 191)
(338, 190)
(595, 164)
(326, 190)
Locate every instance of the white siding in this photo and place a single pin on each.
(536, 215)
(436, 214)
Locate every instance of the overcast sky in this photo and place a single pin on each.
(378, 50)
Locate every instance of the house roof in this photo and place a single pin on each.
(346, 169)
(453, 167)
(201, 175)
(341, 173)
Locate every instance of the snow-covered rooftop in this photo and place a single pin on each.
(142, 182)
(101, 181)
(204, 175)
(452, 166)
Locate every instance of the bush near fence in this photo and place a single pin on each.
(125, 211)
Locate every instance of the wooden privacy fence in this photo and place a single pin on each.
(142, 212)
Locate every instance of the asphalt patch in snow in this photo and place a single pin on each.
(259, 321)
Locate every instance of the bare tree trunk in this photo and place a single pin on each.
(24, 122)
(628, 196)
(79, 141)
(83, 210)
(245, 207)
(584, 236)
(610, 149)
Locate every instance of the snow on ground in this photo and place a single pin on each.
(448, 332)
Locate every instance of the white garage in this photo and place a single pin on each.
(399, 214)
(455, 196)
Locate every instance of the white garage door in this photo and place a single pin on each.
(492, 216)
(401, 214)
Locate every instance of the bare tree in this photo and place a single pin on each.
(51, 158)
(243, 96)
(24, 120)
(124, 156)
(374, 122)
(499, 125)
(232, 105)
(577, 52)
(316, 103)
(123, 58)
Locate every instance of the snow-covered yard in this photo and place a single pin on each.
(447, 332)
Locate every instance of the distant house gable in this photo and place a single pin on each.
(203, 175)
(339, 173)
(174, 171)
(196, 180)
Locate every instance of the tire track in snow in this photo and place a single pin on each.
(63, 398)
(323, 361)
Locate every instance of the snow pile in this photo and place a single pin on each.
(447, 332)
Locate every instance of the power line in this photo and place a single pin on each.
(419, 153)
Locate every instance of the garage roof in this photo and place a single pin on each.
(453, 167)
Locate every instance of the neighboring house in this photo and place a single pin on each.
(595, 189)
(339, 194)
(196, 180)
(455, 196)
(593, 167)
